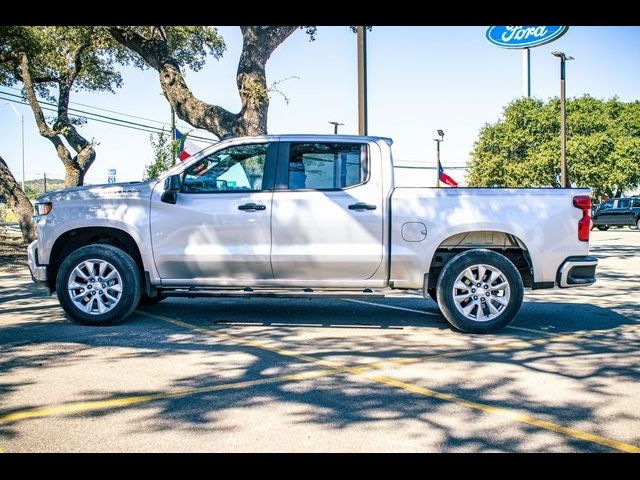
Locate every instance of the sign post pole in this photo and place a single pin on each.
(526, 72)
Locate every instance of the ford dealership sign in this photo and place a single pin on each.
(524, 37)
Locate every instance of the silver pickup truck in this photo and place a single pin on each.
(307, 216)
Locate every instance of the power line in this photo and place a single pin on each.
(49, 109)
(112, 111)
(103, 109)
(150, 128)
(428, 168)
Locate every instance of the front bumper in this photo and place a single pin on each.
(38, 272)
(577, 272)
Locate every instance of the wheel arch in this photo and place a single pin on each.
(507, 244)
(75, 238)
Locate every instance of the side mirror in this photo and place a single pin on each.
(172, 186)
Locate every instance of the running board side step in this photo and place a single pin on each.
(270, 293)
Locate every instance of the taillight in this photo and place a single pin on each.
(583, 202)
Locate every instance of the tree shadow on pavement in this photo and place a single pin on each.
(350, 334)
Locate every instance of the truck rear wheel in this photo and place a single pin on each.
(98, 285)
(479, 291)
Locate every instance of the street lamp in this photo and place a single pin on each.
(21, 117)
(363, 128)
(563, 120)
(335, 127)
(438, 140)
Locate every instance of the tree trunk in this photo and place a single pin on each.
(17, 201)
(73, 177)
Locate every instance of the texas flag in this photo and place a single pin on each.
(187, 147)
(446, 178)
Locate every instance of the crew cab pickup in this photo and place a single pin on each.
(307, 215)
(617, 212)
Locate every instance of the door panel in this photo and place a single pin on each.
(218, 232)
(321, 231)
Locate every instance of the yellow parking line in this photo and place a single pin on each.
(361, 372)
(80, 407)
(508, 413)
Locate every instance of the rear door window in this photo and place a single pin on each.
(326, 166)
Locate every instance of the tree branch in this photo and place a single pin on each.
(258, 45)
(43, 127)
(29, 91)
(77, 61)
(155, 52)
(152, 51)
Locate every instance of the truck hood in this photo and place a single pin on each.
(109, 191)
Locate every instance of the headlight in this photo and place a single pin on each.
(43, 208)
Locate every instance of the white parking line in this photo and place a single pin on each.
(512, 327)
(392, 307)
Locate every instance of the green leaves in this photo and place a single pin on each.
(523, 148)
(188, 46)
(85, 57)
(165, 152)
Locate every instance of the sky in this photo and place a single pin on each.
(420, 79)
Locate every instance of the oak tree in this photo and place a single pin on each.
(51, 63)
(522, 149)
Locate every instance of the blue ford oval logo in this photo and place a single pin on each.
(524, 37)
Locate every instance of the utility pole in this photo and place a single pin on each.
(335, 127)
(362, 81)
(45, 182)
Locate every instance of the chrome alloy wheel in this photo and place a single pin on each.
(95, 286)
(481, 293)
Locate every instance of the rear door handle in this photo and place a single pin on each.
(361, 207)
(251, 207)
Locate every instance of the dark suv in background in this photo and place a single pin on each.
(617, 212)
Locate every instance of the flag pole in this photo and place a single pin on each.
(439, 167)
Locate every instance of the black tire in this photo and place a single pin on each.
(636, 226)
(131, 284)
(145, 300)
(603, 228)
(432, 293)
(456, 266)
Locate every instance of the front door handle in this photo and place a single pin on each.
(361, 207)
(251, 207)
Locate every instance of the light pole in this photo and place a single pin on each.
(564, 183)
(362, 81)
(438, 140)
(21, 117)
(335, 127)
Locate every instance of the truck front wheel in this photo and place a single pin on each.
(98, 285)
(479, 291)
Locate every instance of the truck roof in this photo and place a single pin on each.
(306, 136)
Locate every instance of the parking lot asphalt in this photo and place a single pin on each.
(324, 375)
